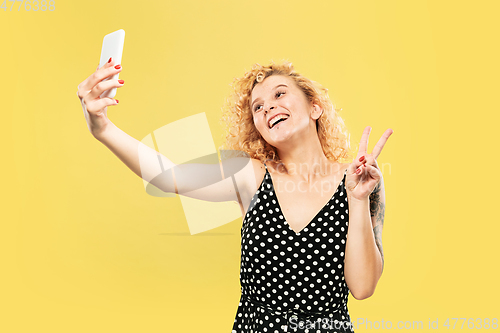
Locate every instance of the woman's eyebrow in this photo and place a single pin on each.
(251, 105)
(279, 85)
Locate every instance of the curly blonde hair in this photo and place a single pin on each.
(241, 135)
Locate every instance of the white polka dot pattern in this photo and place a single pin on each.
(288, 275)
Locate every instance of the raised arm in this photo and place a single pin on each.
(364, 259)
(210, 182)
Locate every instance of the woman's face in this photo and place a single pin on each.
(279, 97)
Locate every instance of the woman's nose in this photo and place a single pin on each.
(269, 108)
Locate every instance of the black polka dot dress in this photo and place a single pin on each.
(293, 282)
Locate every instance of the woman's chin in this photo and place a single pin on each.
(279, 138)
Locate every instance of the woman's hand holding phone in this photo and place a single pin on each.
(89, 92)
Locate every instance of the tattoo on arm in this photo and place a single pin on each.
(377, 211)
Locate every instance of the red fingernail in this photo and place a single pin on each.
(361, 158)
(109, 60)
(121, 81)
(118, 66)
(117, 101)
(358, 171)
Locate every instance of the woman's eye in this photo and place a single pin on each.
(279, 93)
(257, 108)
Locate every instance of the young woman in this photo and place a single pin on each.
(312, 225)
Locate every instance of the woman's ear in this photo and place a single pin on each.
(316, 112)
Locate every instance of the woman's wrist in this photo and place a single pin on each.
(104, 132)
(356, 201)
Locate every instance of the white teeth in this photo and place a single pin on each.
(274, 119)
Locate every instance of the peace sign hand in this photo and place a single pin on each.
(362, 176)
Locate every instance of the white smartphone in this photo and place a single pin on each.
(112, 46)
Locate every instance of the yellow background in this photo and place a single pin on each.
(84, 248)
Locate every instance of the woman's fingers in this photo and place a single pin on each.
(363, 144)
(359, 161)
(101, 87)
(353, 176)
(364, 168)
(369, 159)
(89, 92)
(380, 144)
(362, 163)
(99, 104)
(100, 74)
(372, 171)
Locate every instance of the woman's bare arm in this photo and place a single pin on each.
(364, 259)
(134, 153)
(210, 182)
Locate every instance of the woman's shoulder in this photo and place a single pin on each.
(259, 170)
(251, 172)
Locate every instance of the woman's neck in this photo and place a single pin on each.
(305, 160)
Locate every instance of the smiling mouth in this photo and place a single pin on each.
(278, 122)
(282, 119)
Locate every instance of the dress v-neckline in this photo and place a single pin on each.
(314, 217)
